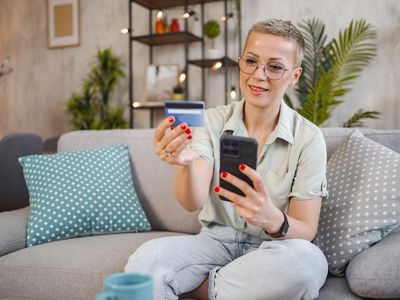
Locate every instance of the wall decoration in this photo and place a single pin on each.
(160, 82)
(63, 23)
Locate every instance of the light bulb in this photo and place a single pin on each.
(159, 14)
(182, 77)
(125, 30)
(217, 65)
(233, 93)
(226, 17)
(188, 14)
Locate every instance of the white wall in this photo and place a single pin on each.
(32, 98)
(377, 88)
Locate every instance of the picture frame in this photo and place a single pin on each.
(63, 23)
(160, 81)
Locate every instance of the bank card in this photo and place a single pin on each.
(189, 112)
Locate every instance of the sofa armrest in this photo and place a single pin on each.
(13, 226)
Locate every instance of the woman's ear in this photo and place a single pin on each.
(296, 76)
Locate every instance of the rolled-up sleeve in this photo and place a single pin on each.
(310, 178)
(202, 144)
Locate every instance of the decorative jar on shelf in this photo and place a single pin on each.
(174, 27)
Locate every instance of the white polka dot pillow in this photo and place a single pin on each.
(364, 200)
(81, 193)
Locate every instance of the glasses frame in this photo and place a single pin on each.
(264, 66)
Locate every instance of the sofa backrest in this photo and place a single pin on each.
(13, 190)
(334, 137)
(153, 178)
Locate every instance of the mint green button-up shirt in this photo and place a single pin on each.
(292, 162)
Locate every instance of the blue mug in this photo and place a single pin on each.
(127, 286)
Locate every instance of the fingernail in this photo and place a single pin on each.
(183, 126)
(189, 137)
(171, 119)
(242, 167)
(216, 189)
(224, 174)
(188, 130)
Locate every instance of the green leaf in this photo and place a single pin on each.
(331, 68)
(357, 119)
(91, 109)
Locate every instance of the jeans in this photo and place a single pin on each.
(238, 266)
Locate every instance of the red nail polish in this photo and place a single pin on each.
(216, 189)
(242, 167)
(171, 119)
(224, 174)
(183, 126)
(190, 137)
(188, 131)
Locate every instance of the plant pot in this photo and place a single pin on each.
(178, 96)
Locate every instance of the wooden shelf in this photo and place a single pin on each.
(147, 104)
(167, 38)
(209, 63)
(156, 4)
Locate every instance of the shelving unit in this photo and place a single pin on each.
(183, 37)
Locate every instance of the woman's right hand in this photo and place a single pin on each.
(172, 144)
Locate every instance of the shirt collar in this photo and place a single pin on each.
(282, 130)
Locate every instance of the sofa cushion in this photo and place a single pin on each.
(81, 193)
(13, 226)
(363, 206)
(68, 269)
(336, 288)
(374, 273)
(153, 177)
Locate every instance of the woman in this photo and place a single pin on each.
(257, 246)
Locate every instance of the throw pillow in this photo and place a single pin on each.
(81, 193)
(374, 273)
(364, 200)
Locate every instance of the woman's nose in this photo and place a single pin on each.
(260, 73)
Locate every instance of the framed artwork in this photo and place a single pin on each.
(160, 81)
(63, 23)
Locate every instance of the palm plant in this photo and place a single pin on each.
(92, 109)
(330, 68)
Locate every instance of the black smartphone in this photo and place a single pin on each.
(236, 150)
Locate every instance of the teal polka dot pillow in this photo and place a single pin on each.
(81, 193)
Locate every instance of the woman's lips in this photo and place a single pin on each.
(257, 90)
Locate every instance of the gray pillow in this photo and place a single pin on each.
(364, 200)
(374, 273)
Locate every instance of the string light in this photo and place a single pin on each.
(216, 66)
(125, 30)
(182, 77)
(188, 14)
(159, 14)
(226, 17)
(233, 93)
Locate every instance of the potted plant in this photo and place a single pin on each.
(92, 108)
(330, 68)
(178, 92)
(212, 30)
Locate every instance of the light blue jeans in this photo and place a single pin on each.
(238, 266)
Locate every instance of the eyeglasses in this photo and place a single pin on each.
(249, 65)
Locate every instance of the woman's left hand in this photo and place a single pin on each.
(255, 207)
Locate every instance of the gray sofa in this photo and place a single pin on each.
(76, 268)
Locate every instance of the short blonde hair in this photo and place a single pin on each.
(284, 29)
